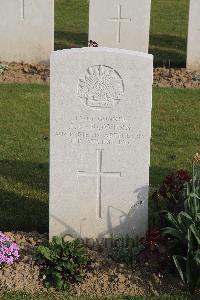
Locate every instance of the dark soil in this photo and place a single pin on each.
(24, 73)
(104, 277)
(40, 73)
(176, 78)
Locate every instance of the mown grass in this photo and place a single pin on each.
(168, 32)
(71, 23)
(175, 131)
(24, 123)
(64, 296)
(24, 136)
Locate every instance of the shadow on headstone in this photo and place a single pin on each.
(126, 221)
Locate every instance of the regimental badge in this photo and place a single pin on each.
(101, 88)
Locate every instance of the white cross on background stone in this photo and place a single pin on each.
(99, 174)
(22, 9)
(119, 19)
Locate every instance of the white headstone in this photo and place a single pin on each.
(193, 48)
(26, 30)
(100, 142)
(120, 23)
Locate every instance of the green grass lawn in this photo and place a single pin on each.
(24, 135)
(24, 123)
(168, 33)
(71, 23)
(175, 131)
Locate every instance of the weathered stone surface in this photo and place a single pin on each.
(193, 48)
(26, 30)
(100, 142)
(120, 23)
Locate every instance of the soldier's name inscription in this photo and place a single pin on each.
(112, 130)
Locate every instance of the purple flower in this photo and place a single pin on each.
(9, 251)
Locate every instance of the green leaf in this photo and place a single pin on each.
(178, 266)
(172, 220)
(197, 257)
(195, 232)
(64, 262)
(45, 252)
(173, 232)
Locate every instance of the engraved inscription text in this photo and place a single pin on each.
(100, 130)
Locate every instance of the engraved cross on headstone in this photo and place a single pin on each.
(22, 9)
(99, 174)
(119, 19)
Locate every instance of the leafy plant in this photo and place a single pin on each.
(189, 266)
(155, 250)
(3, 68)
(64, 263)
(172, 190)
(190, 217)
(185, 227)
(124, 249)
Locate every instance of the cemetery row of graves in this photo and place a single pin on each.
(99, 163)
(173, 29)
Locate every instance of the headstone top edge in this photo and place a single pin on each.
(102, 49)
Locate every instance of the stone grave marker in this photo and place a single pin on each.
(193, 47)
(26, 30)
(120, 23)
(100, 142)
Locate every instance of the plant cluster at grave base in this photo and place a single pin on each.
(124, 249)
(64, 263)
(170, 195)
(3, 68)
(152, 250)
(155, 252)
(172, 190)
(182, 216)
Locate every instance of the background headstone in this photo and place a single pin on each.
(26, 30)
(120, 23)
(193, 48)
(100, 142)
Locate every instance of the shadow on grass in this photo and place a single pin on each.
(31, 174)
(157, 175)
(19, 212)
(168, 41)
(65, 39)
(168, 50)
(22, 213)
